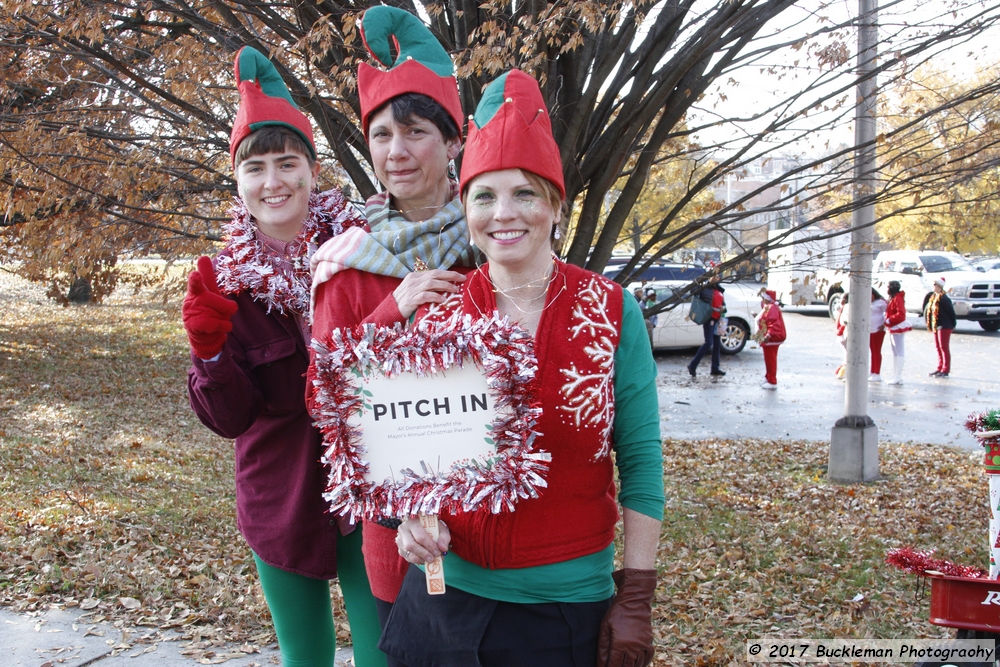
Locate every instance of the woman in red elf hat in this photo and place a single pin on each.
(416, 249)
(246, 318)
(536, 586)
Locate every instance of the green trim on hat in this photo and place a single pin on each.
(492, 100)
(254, 66)
(411, 36)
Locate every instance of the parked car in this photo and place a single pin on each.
(674, 330)
(984, 265)
(657, 272)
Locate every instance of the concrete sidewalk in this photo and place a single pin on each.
(69, 638)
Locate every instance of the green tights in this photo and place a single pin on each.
(303, 617)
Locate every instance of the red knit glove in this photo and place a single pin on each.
(626, 638)
(206, 312)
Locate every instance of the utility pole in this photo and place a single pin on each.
(854, 438)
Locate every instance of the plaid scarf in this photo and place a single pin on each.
(394, 244)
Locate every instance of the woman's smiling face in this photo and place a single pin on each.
(510, 219)
(275, 188)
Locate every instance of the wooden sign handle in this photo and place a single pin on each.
(434, 569)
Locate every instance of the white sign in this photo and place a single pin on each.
(426, 424)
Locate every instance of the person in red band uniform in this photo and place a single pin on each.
(939, 314)
(246, 316)
(536, 586)
(876, 336)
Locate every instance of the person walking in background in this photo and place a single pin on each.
(897, 326)
(247, 323)
(877, 335)
(772, 324)
(712, 295)
(841, 328)
(940, 316)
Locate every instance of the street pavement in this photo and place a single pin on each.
(808, 401)
(69, 638)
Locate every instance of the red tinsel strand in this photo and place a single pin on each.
(910, 560)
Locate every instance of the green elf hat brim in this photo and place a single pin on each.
(264, 101)
(421, 66)
(511, 130)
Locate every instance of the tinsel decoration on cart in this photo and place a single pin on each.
(985, 426)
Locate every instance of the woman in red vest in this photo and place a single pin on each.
(536, 586)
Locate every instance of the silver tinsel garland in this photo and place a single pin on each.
(244, 265)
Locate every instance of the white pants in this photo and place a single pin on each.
(896, 344)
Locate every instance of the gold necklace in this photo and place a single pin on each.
(547, 280)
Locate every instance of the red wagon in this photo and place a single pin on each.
(965, 603)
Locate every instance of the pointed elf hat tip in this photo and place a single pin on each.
(264, 100)
(511, 129)
(421, 64)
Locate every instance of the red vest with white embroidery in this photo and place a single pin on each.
(575, 345)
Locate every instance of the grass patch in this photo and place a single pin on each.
(115, 499)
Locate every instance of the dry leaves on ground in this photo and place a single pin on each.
(115, 500)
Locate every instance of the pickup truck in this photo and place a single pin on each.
(975, 294)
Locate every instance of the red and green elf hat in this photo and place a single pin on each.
(264, 100)
(511, 130)
(421, 66)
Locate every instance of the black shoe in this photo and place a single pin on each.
(692, 371)
(934, 374)
(942, 374)
(719, 373)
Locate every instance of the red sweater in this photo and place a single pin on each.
(775, 323)
(350, 298)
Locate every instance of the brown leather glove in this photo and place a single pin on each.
(626, 638)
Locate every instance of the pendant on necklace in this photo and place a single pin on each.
(420, 265)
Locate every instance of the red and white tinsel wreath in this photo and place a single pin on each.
(503, 350)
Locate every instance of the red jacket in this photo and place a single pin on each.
(895, 314)
(772, 319)
(253, 393)
(350, 298)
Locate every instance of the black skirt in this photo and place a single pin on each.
(459, 629)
